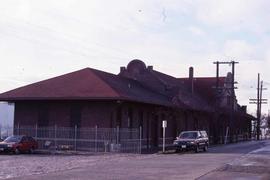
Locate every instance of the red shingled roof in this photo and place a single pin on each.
(86, 84)
(136, 83)
(205, 86)
(190, 100)
(71, 85)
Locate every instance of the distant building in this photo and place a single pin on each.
(6, 114)
(137, 96)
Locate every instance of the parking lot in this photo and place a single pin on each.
(124, 166)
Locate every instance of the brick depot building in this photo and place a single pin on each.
(137, 96)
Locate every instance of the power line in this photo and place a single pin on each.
(14, 34)
(259, 101)
(70, 37)
(230, 89)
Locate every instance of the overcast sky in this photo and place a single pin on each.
(43, 39)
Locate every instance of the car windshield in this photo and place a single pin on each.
(13, 139)
(188, 135)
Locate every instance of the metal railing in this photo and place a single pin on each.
(233, 139)
(96, 139)
(84, 139)
(5, 131)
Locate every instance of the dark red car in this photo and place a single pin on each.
(18, 144)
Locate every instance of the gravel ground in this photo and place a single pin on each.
(24, 165)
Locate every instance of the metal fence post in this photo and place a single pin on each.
(0, 132)
(55, 136)
(75, 138)
(140, 150)
(164, 137)
(36, 131)
(18, 129)
(96, 133)
(117, 135)
(226, 136)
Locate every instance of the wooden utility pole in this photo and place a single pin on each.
(217, 77)
(216, 103)
(231, 88)
(232, 100)
(259, 101)
(258, 108)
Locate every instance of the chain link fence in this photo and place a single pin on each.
(5, 131)
(122, 140)
(226, 140)
(118, 140)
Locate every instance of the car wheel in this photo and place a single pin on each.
(197, 149)
(205, 148)
(16, 151)
(31, 151)
(177, 151)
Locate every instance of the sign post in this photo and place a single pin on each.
(164, 125)
(226, 136)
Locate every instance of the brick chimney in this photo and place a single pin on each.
(191, 79)
(122, 69)
(244, 109)
(150, 68)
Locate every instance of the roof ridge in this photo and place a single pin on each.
(44, 80)
(130, 80)
(165, 74)
(208, 77)
(95, 72)
(159, 79)
(64, 75)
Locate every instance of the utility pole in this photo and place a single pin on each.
(217, 77)
(214, 129)
(258, 108)
(231, 88)
(259, 101)
(232, 100)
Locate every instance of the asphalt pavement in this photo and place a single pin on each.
(220, 162)
(254, 165)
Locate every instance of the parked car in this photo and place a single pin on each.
(191, 140)
(18, 144)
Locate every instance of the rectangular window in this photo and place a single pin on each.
(119, 117)
(75, 115)
(43, 115)
(130, 118)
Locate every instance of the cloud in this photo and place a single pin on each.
(239, 49)
(196, 31)
(42, 39)
(234, 15)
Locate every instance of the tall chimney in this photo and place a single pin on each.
(122, 69)
(150, 68)
(191, 79)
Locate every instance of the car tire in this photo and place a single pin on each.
(31, 151)
(17, 151)
(197, 149)
(205, 148)
(177, 151)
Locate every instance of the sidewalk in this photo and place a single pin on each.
(254, 165)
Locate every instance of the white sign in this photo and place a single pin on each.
(164, 124)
